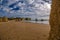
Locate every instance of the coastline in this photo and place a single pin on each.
(23, 31)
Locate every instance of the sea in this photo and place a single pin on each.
(40, 22)
(45, 21)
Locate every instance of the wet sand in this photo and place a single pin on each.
(23, 31)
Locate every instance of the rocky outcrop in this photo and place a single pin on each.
(55, 20)
(3, 19)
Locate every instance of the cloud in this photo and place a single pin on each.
(30, 1)
(30, 8)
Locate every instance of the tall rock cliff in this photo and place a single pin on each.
(55, 20)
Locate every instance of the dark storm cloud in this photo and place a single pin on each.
(48, 1)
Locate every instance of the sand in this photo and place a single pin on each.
(23, 31)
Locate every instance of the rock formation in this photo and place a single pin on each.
(55, 20)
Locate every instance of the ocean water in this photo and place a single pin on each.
(41, 22)
(45, 20)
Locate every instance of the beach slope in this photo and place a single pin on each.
(23, 31)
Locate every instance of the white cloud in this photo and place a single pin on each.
(39, 9)
(30, 1)
(49, 6)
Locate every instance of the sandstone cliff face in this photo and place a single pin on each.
(55, 20)
(4, 19)
(0, 19)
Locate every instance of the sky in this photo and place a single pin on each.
(25, 8)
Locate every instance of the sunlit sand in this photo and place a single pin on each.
(23, 31)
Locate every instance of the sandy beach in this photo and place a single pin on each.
(23, 31)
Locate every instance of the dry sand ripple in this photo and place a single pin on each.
(23, 31)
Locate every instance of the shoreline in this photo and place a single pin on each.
(26, 22)
(23, 31)
(39, 22)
